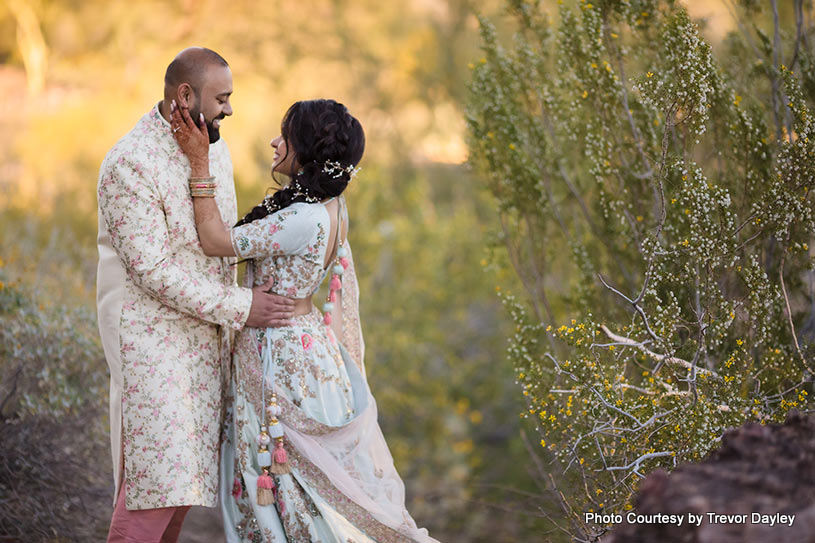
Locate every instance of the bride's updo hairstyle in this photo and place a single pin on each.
(317, 132)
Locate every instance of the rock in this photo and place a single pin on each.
(759, 471)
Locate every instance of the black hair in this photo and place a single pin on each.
(317, 132)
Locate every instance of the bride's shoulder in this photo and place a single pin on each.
(299, 210)
(298, 216)
(303, 211)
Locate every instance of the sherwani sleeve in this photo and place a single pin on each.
(135, 218)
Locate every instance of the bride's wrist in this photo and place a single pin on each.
(202, 187)
(199, 169)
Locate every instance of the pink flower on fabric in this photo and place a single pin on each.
(274, 228)
(307, 341)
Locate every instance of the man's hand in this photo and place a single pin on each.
(269, 310)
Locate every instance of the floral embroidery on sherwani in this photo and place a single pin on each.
(178, 310)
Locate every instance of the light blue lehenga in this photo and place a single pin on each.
(342, 486)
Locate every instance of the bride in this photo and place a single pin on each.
(305, 459)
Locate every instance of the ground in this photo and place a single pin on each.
(203, 525)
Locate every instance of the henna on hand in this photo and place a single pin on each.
(192, 138)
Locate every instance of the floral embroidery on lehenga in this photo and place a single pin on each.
(307, 341)
(328, 415)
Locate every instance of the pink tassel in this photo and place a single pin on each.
(332, 296)
(280, 455)
(266, 481)
(335, 284)
(266, 489)
(327, 319)
(344, 262)
(280, 465)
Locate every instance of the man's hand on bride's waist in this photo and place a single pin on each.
(268, 309)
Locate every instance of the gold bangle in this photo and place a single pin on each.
(209, 179)
(202, 192)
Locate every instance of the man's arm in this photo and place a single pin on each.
(134, 216)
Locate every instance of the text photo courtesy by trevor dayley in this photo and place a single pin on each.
(689, 518)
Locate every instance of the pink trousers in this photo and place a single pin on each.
(145, 526)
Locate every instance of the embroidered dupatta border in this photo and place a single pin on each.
(248, 358)
(352, 511)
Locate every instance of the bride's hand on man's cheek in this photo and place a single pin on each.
(192, 137)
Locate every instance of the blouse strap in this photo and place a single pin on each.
(340, 203)
(335, 251)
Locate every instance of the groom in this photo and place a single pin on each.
(166, 311)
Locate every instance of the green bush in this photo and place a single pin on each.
(54, 457)
(655, 203)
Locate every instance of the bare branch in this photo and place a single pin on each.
(637, 308)
(615, 408)
(799, 35)
(734, 13)
(774, 95)
(671, 392)
(655, 356)
(787, 302)
(636, 463)
(560, 369)
(15, 378)
(784, 393)
(515, 259)
(542, 473)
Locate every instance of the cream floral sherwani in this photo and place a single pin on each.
(166, 313)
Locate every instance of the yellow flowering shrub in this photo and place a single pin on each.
(657, 213)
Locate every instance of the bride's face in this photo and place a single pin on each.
(283, 157)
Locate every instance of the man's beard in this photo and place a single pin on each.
(214, 133)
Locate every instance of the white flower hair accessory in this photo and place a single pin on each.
(336, 169)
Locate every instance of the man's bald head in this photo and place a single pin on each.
(200, 80)
(190, 66)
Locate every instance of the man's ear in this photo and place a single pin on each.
(185, 95)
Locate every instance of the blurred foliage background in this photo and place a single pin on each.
(76, 75)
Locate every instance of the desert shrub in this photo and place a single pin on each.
(54, 458)
(655, 202)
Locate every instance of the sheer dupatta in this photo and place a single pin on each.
(351, 333)
(350, 466)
